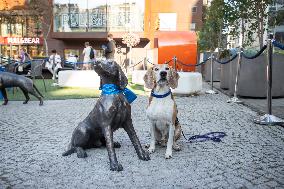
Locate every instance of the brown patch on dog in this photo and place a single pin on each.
(177, 133)
(149, 79)
(173, 79)
(150, 100)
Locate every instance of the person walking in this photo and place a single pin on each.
(89, 56)
(109, 48)
(54, 64)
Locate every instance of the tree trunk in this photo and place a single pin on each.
(130, 57)
(243, 33)
(260, 11)
(45, 40)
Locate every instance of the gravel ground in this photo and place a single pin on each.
(32, 139)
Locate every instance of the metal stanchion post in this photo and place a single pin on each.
(211, 91)
(235, 99)
(175, 63)
(268, 118)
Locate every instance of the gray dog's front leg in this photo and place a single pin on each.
(4, 96)
(114, 165)
(142, 154)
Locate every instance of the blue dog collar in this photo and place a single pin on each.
(112, 89)
(161, 96)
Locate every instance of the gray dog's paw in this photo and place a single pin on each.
(145, 156)
(81, 153)
(116, 167)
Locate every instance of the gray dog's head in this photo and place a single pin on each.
(110, 73)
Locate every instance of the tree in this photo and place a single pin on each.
(131, 40)
(40, 8)
(210, 36)
(247, 17)
(259, 10)
(242, 19)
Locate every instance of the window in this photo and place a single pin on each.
(192, 26)
(194, 9)
(99, 15)
(168, 21)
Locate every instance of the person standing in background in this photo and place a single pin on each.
(89, 55)
(109, 49)
(72, 59)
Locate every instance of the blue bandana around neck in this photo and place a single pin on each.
(161, 96)
(112, 89)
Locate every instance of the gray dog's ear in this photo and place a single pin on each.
(173, 80)
(149, 79)
(123, 81)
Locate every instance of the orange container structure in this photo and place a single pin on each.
(182, 44)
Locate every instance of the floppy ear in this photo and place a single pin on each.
(149, 79)
(123, 81)
(173, 80)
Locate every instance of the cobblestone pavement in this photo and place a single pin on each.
(32, 139)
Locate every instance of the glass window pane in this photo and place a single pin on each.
(70, 15)
(124, 15)
(98, 15)
(168, 21)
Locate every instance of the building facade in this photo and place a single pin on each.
(73, 22)
(19, 28)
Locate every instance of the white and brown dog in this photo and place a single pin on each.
(162, 109)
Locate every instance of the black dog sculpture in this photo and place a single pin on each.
(110, 113)
(25, 84)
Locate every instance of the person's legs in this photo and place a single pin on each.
(54, 74)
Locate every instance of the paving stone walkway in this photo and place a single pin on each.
(32, 139)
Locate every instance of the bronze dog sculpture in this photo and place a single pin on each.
(25, 84)
(111, 112)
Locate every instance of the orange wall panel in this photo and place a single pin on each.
(181, 7)
(183, 45)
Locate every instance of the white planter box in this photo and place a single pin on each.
(188, 83)
(79, 78)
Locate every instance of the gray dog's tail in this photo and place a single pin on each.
(69, 151)
(37, 90)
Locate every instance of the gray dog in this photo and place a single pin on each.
(25, 84)
(111, 112)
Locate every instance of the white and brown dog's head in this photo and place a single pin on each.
(161, 75)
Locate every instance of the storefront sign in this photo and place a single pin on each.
(96, 19)
(21, 40)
